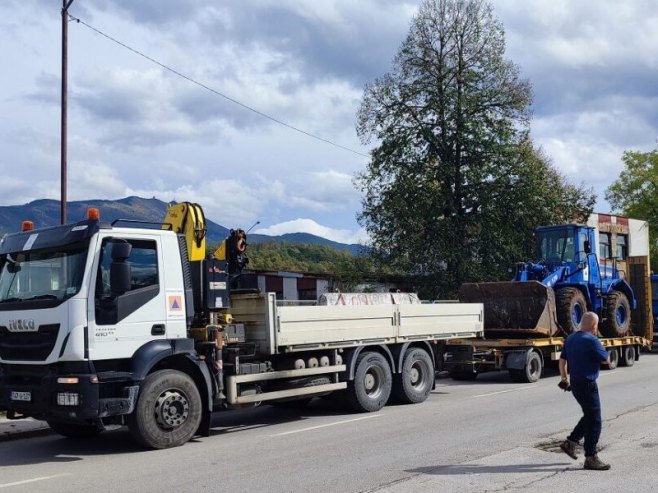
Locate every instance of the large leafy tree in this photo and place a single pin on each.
(635, 193)
(455, 186)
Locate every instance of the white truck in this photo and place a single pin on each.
(130, 323)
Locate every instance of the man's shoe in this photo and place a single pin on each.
(596, 464)
(569, 448)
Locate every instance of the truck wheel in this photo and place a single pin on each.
(73, 430)
(168, 410)
(532, 371)
(415, 382)
(627, 356)
(614, 359)
(571, 307)
(371, 387)
(617, 315)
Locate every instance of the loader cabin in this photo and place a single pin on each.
(612, 238)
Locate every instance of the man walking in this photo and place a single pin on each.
(581, 357)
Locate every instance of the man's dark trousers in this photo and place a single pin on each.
(589, 427)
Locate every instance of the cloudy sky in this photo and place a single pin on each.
(136, 128)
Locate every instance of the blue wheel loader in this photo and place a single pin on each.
(549, 296)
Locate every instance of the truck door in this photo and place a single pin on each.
(121, 322)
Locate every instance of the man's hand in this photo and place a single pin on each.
(564, 385)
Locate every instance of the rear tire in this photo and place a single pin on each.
(168, 410)
(571, 306)
(617, 315)
(627, 356)
(371, 387)
(415, 382)
(77, 431)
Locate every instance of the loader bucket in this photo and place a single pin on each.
(514, 309)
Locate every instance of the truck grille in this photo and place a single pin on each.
(28, 346)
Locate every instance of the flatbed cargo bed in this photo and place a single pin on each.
(281, 329)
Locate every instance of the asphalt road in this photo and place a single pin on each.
(487, 435)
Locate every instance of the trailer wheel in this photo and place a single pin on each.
(73, 430)
(617, 315)
(168, 410)
(371, 387)
(627, 356)
(571, 306)
(414, 383)
(614, 359)
(532, 371)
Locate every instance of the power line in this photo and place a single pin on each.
(214, 91)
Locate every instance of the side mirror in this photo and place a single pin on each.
(120, 271)
(121, 250)
(588, 247)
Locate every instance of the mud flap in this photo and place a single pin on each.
(517, 359)
(514, 308)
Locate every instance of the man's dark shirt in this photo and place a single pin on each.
(584, 354)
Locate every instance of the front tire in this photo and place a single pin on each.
(371, 387)
(168, 410)
(617, 315)
(571, 306)
(416, 379)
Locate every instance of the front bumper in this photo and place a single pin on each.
(33, 391)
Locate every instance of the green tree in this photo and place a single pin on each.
(455, 186)
(635, 193)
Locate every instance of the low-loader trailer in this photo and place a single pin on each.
(602, 266)
(133, 323)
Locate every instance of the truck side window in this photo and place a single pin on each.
(144, 281)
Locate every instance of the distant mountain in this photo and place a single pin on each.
(45, 213)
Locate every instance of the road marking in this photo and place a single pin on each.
(310, 428)
(503, 391)
(33, 480)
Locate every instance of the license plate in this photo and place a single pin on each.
(21, 396)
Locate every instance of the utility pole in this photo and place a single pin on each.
(65, 32)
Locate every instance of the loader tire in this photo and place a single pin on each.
(571, 306)
(617, 322)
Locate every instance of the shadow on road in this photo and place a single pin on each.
(56, 449)
(464, 469)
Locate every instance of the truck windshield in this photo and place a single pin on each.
(556, 246)
(53, 274)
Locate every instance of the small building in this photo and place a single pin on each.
(309, 286)
(288, 285)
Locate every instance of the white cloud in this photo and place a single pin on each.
(300, 225)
